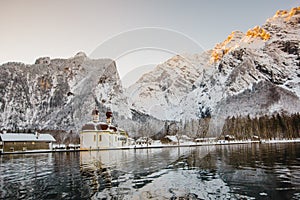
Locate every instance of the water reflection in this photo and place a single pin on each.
(154, 174)
(269, 171)
(41, 176)
(125, 173)
(257, 171)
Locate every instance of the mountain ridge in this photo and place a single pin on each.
(264, 55)
(58, 93)
(252, 73)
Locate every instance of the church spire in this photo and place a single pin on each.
(109, 116)
(95, 115)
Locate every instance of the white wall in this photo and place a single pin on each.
(107, 140)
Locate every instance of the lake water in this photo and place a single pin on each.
(248, 171)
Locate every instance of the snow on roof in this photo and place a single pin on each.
(206, 138)
(143, 139)
(185, 137)
(92, 126)
(22, 137)
(173, 138)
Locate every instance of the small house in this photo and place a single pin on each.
(169, 139)
(12, 142)
(256, 138)
(144, 141)
(206, 140)
(229, 137)
(174, 139)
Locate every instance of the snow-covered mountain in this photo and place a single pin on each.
(160, 93)
(59, 94)
(253, 73)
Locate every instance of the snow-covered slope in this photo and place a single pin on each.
(253, 73)
(59, 93)
(160, 92)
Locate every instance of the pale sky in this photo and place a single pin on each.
(60, 28)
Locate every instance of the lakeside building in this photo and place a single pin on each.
(144, 141)
(173, 139)
(101, 135)
(206, 139)
(14, 142)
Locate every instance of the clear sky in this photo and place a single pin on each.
(61, 28)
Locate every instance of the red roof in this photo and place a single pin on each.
(98, 127)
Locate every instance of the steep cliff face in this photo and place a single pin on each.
(160, 93)
(253, 73)
(59, 93)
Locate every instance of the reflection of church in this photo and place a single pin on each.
(98, 168)
(98, 176)
(101, 135)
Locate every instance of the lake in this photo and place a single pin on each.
(245, 171)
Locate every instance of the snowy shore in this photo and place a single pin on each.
(158, 144)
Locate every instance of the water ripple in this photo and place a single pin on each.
(222, 172)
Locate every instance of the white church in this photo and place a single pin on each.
(100, 135)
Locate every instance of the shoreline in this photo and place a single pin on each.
(156, 146)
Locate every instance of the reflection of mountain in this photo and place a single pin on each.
(247, 171)
(225, 171)
(114, 173)
(257, 170)
(42, 176)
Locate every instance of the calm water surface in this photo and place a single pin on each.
(249, 171)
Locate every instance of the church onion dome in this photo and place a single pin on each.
(95, 112)
(113, 128)
(109, 114)
(98, 127)
(102, 126)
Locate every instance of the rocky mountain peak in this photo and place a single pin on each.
(258, 32)
(265, 56)
(252, 73)
(59, 93)
(43, 60)
(227, 45)
(237, 39)
(175, 60)
(284, 19)
(80, 54)
(287, 15)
